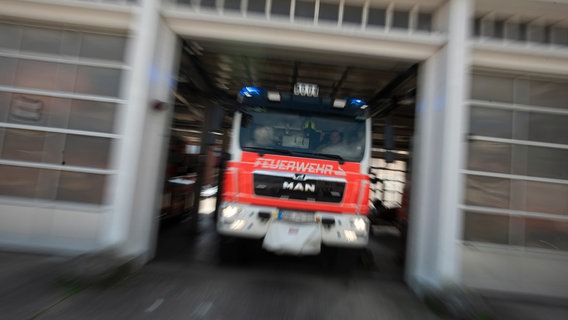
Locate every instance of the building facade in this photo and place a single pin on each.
(82, 148)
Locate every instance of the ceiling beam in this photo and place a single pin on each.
(339, 83)
(388, 92)
(295, 75)
(212, 88)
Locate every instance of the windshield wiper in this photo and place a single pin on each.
(262, 150)
(324, 156)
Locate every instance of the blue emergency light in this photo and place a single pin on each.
(308, 101)
(356, 102)
(250, 91)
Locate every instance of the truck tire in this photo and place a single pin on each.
(234, 250)
(342, 260)
(228, 250)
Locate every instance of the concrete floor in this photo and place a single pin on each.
(268, 286)
(185, 281)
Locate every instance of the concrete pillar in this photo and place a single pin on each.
(435, 221)
(141, 153)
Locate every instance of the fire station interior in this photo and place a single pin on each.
(210, 77)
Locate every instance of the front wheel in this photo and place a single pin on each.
(344, 260)
(228, 249)
(234, 250)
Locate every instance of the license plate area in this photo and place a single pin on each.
(296, 216)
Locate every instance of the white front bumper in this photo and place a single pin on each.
(338, 230)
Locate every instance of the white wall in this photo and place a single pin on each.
(425, 214)
(515, 270)
(50, 229)
(153, 154)
(435, 219)
(42, 225)
(142, 151)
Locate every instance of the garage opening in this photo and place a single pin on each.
(211, 73)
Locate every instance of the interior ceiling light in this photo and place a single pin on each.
(225, 66)
(222, 86)
(196, 48)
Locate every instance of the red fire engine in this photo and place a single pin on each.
(297, 178)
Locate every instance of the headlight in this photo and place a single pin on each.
(237, 225)
(350, 236)
(360, 224)
(230, 211)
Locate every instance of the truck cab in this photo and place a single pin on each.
(297, 177)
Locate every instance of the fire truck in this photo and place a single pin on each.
(286, 183)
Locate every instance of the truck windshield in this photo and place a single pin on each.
(291, 133)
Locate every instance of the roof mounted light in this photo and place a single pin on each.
(273, 95)
(306, 89)
(250, 91)
(339, 103)
(357, 103)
